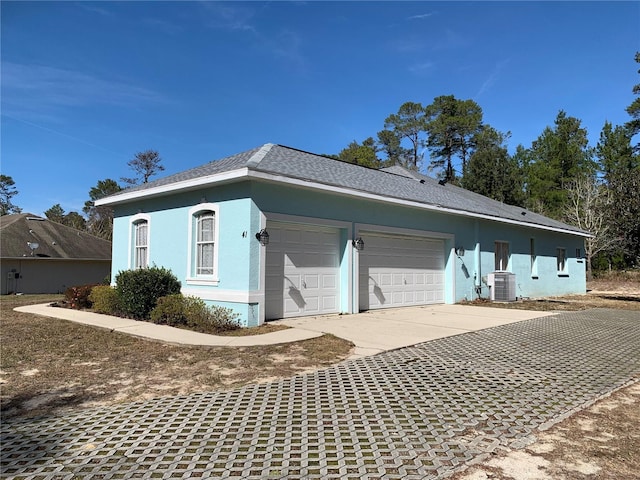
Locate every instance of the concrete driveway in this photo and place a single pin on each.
(377, 331)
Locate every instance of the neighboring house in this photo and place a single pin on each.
(41, 256)
(341, 238)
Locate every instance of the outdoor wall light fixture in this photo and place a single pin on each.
(358, 243)
(263, 237)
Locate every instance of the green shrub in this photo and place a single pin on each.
(220, 319)
(139, 290)
(171, 310)
(78, 297)
(105, 300)
(191, 312)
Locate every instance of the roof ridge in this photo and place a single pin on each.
(404, 172)
(257, 157)
(11, 219)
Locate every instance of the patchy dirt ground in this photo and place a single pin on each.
(602, 293)
(601, 442)
(50, 365)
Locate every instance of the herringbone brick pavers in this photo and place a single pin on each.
(417, 412)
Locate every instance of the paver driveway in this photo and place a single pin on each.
(417, 412)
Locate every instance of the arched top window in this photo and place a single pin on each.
(205, 242)
(140, 241)
(203, 261)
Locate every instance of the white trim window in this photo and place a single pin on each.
(139, 239)
(141, 256)
(534, 257)
(502, 256)
(203, 244)
(561, 260)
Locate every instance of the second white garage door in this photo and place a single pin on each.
(302, 270)
(400, 271)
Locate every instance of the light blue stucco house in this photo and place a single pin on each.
(276, 232)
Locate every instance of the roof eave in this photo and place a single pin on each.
(399, 201)
(183, 186)
(246, 173)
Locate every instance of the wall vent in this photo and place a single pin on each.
(503, 286)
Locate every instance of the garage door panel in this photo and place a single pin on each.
(329, 303)
(310, 259)
(400, 270)
(306, 280)
(290, 236)
(312, 304)
(274, 261)
(311, 281)
(329, 281)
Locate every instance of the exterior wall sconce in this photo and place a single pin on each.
(358, 243)
(263, 237)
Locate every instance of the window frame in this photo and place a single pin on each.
(193, 276)
(134, 248)
(561, 261)
(534, 257)
(498, 252)
(205, 229)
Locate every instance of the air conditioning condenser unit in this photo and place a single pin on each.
(503, 286)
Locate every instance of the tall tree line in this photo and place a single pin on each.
(559, 175)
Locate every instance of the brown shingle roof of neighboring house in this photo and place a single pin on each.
(54, 240)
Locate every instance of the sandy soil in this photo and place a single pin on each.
(601, 442)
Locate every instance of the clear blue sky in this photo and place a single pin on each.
(86, 85)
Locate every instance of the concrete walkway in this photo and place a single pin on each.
(165, 333)
(371, 332)
(378, 331)
(421, 412)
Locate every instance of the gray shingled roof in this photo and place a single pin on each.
(54, 240)
(395, 182)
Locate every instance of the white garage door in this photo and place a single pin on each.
(302, 270)
(399, 271)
